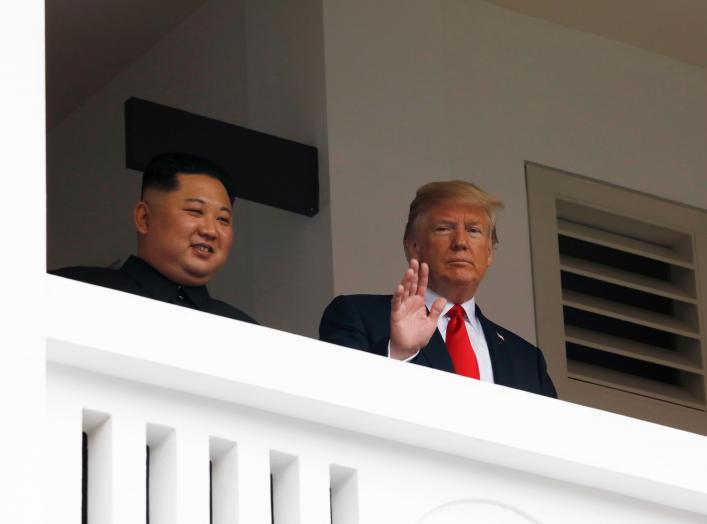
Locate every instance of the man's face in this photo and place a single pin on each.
(454, 239)
(186, 234)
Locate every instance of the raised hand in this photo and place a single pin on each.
(411, 327)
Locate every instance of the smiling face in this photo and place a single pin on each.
(454, 239)
(186, 234)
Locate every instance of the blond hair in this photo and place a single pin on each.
(436, 193)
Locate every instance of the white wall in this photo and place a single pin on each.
(286, 97)
(208, 65)
(420, 90)
(387, 130)
(394, 94)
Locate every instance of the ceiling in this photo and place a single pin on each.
(673, 28)
(90, 41)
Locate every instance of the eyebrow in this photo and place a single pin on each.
(454, 221)
(203, 202)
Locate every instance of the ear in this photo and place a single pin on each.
(489, 260)
(412, 249)
(142, 217)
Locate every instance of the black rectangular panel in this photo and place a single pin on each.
(265, 169)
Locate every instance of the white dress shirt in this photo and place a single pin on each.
(473, 329)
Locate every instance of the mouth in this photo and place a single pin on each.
(460, 262)
(205, 249)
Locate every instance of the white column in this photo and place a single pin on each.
(99, 429)
(344, 495)
(22, 365)
(64, 465)
(128, 463)
(314, 491)
(253, 484)
(285, 488)
(224, 488)
(192, 476)
(163, 474)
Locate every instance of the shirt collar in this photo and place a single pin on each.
(160, 287)
(469, 306)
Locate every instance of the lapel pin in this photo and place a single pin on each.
(500, 336)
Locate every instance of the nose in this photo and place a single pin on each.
(207, 227)
(459, 238)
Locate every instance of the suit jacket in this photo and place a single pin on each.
(139, 278)
(363, 322)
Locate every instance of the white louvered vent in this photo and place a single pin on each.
(629, 305)
(617, 290)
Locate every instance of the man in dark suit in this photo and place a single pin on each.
(432, 318)
(184, 233)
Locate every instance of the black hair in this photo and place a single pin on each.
(161, 172)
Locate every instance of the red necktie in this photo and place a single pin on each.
(459, 345)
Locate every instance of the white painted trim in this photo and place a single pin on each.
(22, 359)
(128, 337)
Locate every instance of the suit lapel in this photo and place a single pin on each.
(436, 355)
(503, 373)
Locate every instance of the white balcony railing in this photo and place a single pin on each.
(395, 443)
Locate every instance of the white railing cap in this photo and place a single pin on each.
(142, 340)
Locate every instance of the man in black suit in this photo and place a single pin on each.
(432, 318)
(184, 233)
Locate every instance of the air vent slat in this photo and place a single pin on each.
(624, 278)
(633, 384)
(630, 348)
(630, 245)
(628, 313)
